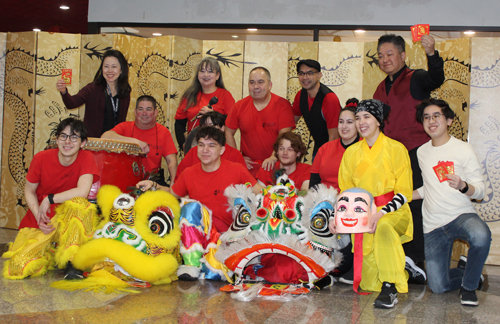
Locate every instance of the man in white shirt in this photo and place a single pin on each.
(452, 177)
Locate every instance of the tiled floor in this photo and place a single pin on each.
(33, 301)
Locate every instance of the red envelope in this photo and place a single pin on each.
(414, 33)
(418, 30)
(66, 75)
(440, 172)
(450, 167)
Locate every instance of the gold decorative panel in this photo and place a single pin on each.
(455, 89)
(3, 50)
(484, 131)
(18, 125)
(134, 50)
(54, 53)
(272, 56)
(342, 68)
(154, 77)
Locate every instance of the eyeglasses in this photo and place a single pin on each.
(427, 118)
(73, 138)
(308, 73)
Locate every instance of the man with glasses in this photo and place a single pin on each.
(452, 177)
(154, 139)
(56, 177)
(319, 105)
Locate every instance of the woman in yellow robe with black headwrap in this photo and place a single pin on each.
(381, 166)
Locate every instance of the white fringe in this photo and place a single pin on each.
(241, 191)
(249, 294)
(291, 241)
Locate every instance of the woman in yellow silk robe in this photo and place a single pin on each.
(382, 166)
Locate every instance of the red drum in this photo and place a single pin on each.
(119, 163)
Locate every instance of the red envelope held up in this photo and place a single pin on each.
(418, 30)
(66, 75)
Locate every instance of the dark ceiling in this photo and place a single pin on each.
(18, 15)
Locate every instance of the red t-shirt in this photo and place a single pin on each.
(208, 188)
(330, 108)
(327, 163)
(259, 129)
(159, 140)
(52, 177)
(302, 173)
(224, 106)
(191, 158)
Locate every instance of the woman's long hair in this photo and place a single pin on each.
(191, 94)
(124, 88)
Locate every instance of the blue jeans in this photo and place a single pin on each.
(438, 247)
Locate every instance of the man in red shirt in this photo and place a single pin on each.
(261, 117)
(214, 119)
(290, 150)
(154, 139)
(56, 177)
(207, 180)
(319, 105)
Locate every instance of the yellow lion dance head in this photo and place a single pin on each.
(138, 238)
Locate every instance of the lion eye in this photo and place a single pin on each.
(160, 223)
(318, 222)
(245, 218)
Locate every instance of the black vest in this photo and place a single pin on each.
(313, 118)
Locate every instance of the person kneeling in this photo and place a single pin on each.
(452, 177)
(57, 185)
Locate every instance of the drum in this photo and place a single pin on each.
(119, 163)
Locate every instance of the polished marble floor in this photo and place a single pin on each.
(33, 301)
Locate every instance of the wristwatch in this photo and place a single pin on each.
(51, 198)
(465, 189)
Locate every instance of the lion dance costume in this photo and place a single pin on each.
(33, 253)
(136, 243)
(277, 236)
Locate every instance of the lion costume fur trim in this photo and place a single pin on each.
(154, 269)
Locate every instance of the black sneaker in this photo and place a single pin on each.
(468, 297)
(348, 277)
(388, 297)
(71, 272)
(416, 274)
(462, 263)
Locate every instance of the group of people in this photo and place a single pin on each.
(388, 145)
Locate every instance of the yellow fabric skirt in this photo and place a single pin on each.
(383, 254)
(33, 253)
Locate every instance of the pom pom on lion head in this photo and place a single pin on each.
(140, 236)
